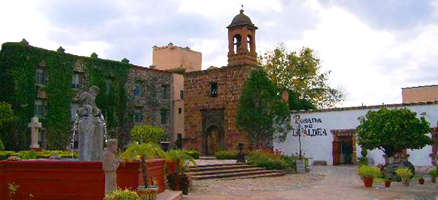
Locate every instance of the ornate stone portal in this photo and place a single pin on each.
(90, 127)
(212, 131)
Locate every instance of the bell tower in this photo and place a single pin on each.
(241, 41)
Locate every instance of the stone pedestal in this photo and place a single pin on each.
(90, 136)
(300, 167)
(34, 125)
(240, 155)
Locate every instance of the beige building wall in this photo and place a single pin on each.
(174, 57)
(420, 94)
(178, 105)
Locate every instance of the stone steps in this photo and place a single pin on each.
(218, 167)
(230, 171)
(224, 171)
(170, 195)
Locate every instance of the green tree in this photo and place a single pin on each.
(392, 130)
(6, 115)
(262, 112)
(300, 72)
(148, 133)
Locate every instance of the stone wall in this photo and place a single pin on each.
(197, 86)
(151, 100)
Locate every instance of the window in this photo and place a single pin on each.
(137, 91)
(237, 42)
(138, 116)
(39, 108)
(40, 77)
(73, 109)
(75, 81)
(213, 91)
(179, 110)
(165, 91)
(163, 116)
(108, 84)
(181, 94)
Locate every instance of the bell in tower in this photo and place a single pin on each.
(241, 41)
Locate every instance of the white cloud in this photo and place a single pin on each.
(349, 48)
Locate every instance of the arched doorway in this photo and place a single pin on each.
(214, 138)
(212, 131)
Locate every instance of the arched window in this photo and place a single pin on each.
(237, 42)
(249, 43)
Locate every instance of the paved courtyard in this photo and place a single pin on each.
(323, 182)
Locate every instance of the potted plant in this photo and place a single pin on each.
(432, 174)
(388, 182)
(144, 152)
(178, 180)
(406, 175)
(421, 180)
(367, 173)
(120, 194)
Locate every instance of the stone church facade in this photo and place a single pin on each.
(212, 95)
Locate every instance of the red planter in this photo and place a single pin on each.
(368, 182)
(69, 180)
(387, 183)
(171, 167)
(421, 181)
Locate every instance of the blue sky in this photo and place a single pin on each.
(373, 47)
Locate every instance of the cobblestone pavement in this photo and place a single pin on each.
(323, 182)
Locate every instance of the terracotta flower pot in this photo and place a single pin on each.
(147, 193)
(387, 183)
(406, 181)
(368, 182)
(421, 181)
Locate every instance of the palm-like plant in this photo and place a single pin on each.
(144, 152)
(181, 159)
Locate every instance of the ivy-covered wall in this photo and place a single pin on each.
(18, 64)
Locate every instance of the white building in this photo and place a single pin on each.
(331, 134)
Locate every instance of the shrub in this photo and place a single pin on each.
(32, 154)
(365, 171)
(222, 155)
(148, 133)
(267, 159)
(35, 155)
(195, 154)
(432, 173)
(404, 172)
(122, 194)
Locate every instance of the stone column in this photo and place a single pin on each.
(34, 125)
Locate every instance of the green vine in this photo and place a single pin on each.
(18, 62)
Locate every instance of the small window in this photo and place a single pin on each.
(75, 81)
(213, 91)
(179, 110)
(165, 91)
(40, 77)
(163, 116)
(138, 116)
(39, 108)
(137, 91)
(108, 86)
(181, 94)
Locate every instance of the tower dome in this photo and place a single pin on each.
(241, 20)
(241, 41)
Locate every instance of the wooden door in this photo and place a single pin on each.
(336, 153)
